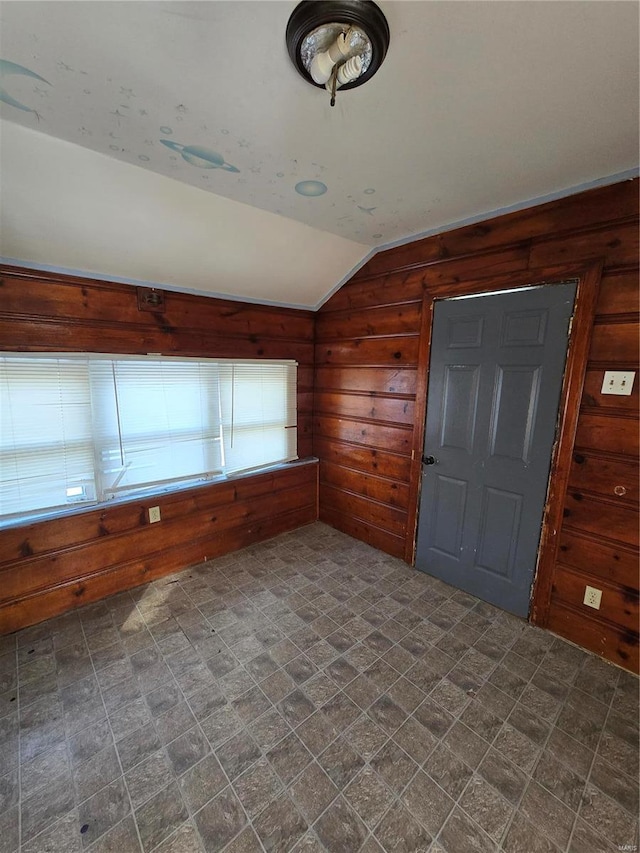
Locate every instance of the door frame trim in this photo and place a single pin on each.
(588, 277)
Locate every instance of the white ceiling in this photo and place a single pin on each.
(478, 107)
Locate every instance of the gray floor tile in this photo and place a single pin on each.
(148, 777)
(103, 810)
(160, 816)
(341, 828)
(310, 694)
(220, 820)
(400, 832)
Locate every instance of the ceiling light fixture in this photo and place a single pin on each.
(337, 44)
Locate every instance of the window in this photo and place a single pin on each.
(86, 429)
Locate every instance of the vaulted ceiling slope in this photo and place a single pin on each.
(164, 141)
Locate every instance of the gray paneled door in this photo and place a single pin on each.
(497, 363)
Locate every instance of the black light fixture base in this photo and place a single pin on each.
(364, 14)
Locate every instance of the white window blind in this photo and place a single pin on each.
(46, 443)
(89, 428)
(155, 422)
(258, 402)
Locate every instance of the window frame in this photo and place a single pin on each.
(104, 497)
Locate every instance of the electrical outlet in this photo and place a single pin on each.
(592, 597)
(154, 514)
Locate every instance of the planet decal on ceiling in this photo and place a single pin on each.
(311, 188)
(12, 68)
(202, 158)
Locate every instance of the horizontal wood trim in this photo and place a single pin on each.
(608, 433)
(595, 208)
(602, 476)
(370, 407)
(364, 459)
(613, 562)
(618, 293)
(604, 638)
(615, 343)
(364, 531)
(385, 320)
(592, 395)
(399, 350)
(601, 517)
(615, 246)
(453, 271)
(393, 289)
(62, 336)
(387, 518)
(618, 605)
(388, 438)
(368, 485)
(31, 609)
(81, 300)
(371, 380)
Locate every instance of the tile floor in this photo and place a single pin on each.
(309, 694)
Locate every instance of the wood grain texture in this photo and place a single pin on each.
(619, 293)
(51, 566)
(399, 350)
(594, 515)
(607, 639)
(368, 460)
(620, 339)
(55, 599)
(385, 320)
(390, 438)
(210, 509)
(599, 227)
(583, 211)
(369, 406)
(453, 271)
(393, 289)
(373, 486)
(594, 557)
(614, 246)
(374, 380)
(609, 433)
(616, 479)
(125, 550)
(618, 604)
(366, 531)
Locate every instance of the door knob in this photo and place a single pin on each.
(429, 460)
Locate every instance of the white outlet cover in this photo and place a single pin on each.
(618, 382)
(592, 597)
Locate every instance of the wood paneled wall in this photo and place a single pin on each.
(368, 338)
(51, 566)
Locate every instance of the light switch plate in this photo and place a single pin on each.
(618, 382)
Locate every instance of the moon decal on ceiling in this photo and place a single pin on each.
(202, 158)
(311, 188)
(12, 68)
